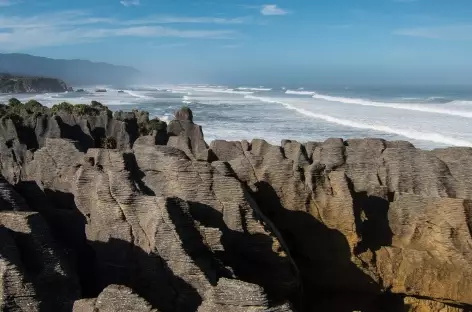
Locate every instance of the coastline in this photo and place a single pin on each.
(430, 120)
(157, 210)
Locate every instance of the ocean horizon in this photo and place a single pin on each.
(428, 117)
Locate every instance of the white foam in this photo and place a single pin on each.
(410, 133)
(217, 90)
(165, 118)
(299, 92)
(254, 89)
(413, 107)
(137, 95)
(186, 100)
(461, 103)
(179, 91)
(189, 90)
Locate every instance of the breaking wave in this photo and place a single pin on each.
(413, 107)
(134, 94)
(411, 134)
(254, 89)
(299, 92)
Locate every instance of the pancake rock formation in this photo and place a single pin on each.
(117, 212)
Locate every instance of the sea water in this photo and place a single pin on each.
(429, 117)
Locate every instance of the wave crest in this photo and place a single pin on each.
(404, 106)
(299, 92)
(411, 134)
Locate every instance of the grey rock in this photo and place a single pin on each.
(35, 274)
(240, 226)
(187, 136)
(114, 298)
(184, 113)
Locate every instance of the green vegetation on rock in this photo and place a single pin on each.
(18, 112)
(94, 109)
(64, 106)
(14, 102)
(16, 107)
(32, 105)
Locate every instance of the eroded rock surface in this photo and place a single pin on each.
(368, 215)
(164, 222)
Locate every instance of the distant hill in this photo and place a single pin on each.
(73, 72)
(16, 84)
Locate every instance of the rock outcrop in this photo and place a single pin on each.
(24, 128)
(187, 136)
(366, 216)
(160, 221)
(15, 84)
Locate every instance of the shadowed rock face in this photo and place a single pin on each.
(365, 225)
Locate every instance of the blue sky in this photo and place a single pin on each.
(336, 40)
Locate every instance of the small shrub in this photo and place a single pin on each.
(109, 143)
(33, 106)
(83, 109)
(13, 102)
(64, 106)
(97, 105)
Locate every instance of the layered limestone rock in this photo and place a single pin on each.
(238, 296)
(160, 221)
(24, 128)
(187, 136)
(114, 298)
(131, 225)
(366, 216)
(34, 272)
(421, 305)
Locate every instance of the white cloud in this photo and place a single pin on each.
(272, 9)
(74, 27)
(64, 18)
(128, 3)
(448, 32)
(158, 31)
(189, 20)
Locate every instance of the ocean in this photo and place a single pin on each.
(428, 117)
